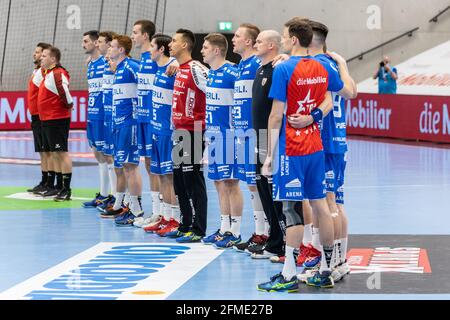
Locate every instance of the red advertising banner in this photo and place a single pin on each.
(409, 117)
(14, 113)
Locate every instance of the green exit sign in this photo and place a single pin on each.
(225, 26)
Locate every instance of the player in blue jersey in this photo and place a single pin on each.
(220, 139)
(126, 153)
(300, 85)
(103, 45)
(161, 117)
(143, 31)
(243, 44)
(335, 145)
(95, 115)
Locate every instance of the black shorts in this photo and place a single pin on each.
(36, 127)
(56, 135)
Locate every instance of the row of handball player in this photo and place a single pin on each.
(287, 85)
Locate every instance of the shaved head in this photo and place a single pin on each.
(271, 36)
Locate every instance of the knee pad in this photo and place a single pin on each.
(293, 217)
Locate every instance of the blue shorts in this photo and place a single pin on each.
(335, 170)
(300, 178)
(245, 160)
(220, 161)
(125, 146)
(108, 149)
(95, 131)
(162, 155)
(145, 139)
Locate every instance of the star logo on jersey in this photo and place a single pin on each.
(298, 133)
(306, 105)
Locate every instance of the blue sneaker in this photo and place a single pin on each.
(216, 236)
(312, 263)
(175, 234)
(321, 280)
(279, 284)
(105, 204)
(95, 202)
(189, 237)
(127, 219)
(228, 241)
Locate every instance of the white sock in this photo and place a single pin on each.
(307, 235)
(336, 254)
(127, 199)
(112, 178)
(316, 238)
(119, 199)
(176, 213)
(258, 213)
(155, 202)
(161, 204)
(259, 222)
(344, 242)
(135, 205)
(167, 211)
(104, 179)
(290, 267)
(323, 263)
(225, 223)
(236, 225)
(266, 226)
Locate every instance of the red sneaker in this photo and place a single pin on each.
(304, 254)
(312, 256)
(171, 226)
(160, 224)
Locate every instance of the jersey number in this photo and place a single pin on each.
(237, 112)
(337, 110)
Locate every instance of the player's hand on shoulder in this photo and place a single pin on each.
(172, 68)
(279, 59)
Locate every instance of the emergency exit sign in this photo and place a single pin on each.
(225, 26)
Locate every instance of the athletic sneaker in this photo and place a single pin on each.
(50, 193)
(189, 237)
(106, 204)
(307, 273)
(216, 236)
(111, 213)
(159, 224)
(64, 195)
(321, 280)
(313, 258)
(263, 254)
(312, 263)
(340, 271)
(228, 241)
(170, 227)
(279, 284)
(144, 222)
(127, 219)
(307, 252)
(281, 259)
(99, 199)
(175, 234)
(253, 241)
(256, 248)
(37, 189)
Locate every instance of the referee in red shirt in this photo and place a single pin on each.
(33, 90)
(55, 104)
